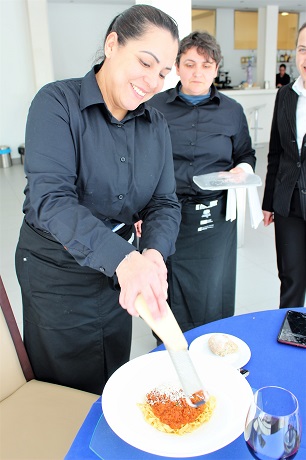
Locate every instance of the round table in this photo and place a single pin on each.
(271, 363)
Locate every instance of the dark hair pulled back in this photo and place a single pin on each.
(133, 23)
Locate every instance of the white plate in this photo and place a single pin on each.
(239, 359)
(130, 383)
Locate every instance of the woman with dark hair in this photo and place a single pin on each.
(284, 201)
(98, 160)
(209, 133)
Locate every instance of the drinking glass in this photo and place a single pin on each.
(273, 426)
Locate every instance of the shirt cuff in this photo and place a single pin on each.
(247, 168)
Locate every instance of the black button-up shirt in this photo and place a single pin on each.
(207, 137)
(87, 172)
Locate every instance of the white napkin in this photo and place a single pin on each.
(255, 208)
(231, 205)
(256, 213)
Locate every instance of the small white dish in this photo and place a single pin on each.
(199, 346)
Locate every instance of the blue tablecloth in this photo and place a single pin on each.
(271, 363)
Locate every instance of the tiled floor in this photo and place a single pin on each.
(257, 281)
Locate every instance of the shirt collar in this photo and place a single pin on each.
(298, 86)
(90, 94)
(173, 94)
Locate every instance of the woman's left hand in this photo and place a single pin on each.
(236, 170)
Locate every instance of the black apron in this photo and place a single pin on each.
(75, 331)
(202, 272)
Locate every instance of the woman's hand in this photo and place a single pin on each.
(236, 170)
(268, 218)
(156, 257)
(144, 274)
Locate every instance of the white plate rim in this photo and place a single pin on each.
(237, 360)
(206, 439)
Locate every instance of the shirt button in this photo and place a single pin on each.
(120, 197)
(190, 164)
(122, 159)
(119, 126)
(102, 269)
(193, 125)
(298, 164)
(192, 143)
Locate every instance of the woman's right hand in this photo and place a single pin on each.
(268, 218)
(139, 274)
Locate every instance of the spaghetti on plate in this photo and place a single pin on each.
(166, 409)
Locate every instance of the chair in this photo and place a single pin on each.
(249, 114)
(38, 420)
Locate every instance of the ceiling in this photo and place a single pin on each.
(291, 6)
(296, 6)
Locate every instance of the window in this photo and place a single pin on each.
(245, 33)
(204, 21)
(246, 26)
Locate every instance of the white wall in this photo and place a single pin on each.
(302, 18)
(40, 42)
(17, 82)
(77, 31)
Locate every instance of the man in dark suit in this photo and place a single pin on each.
(282, 78)
(285, 191)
